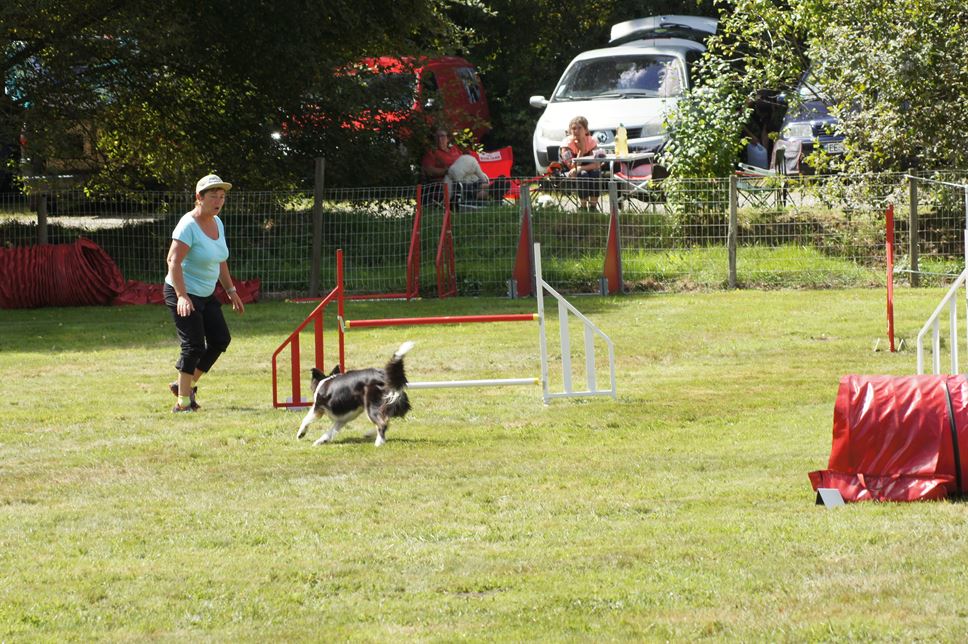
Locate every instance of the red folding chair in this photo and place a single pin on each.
(636, 182)
(496, 164)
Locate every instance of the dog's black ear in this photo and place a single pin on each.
(335, 371)
(317, 374)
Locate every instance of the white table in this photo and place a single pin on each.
(612, 159)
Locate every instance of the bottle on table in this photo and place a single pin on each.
(621, 141)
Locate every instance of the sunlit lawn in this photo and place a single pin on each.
(680, 511)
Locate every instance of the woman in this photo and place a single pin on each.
(446, 163)
(580, 143)
(197, 260)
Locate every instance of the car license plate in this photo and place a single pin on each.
(837, 147)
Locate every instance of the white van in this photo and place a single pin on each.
(633, 82)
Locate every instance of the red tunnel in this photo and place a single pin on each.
(898, 438)
(81, 274)
(75, 274)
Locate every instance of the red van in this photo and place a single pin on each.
(421, 82)
(403, 90)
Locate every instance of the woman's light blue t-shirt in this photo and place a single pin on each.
(201, 265)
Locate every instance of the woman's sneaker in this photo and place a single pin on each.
(173, 387)
(178, 409)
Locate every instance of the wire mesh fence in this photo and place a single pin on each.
(787, 231)
(817, 231)
(940, 203)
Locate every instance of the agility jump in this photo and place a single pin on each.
(337, 295)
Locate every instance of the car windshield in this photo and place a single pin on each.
(810, 90)
(646, 75)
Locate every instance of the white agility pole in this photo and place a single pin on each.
(488, 382)
(933, 325)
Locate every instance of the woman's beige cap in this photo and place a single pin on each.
(210, 181)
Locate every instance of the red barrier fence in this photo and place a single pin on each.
(445, 319)
(338, 295)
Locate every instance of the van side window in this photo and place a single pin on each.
(429, 91)
(471, 82)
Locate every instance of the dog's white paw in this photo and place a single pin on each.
(325, 438)
(379, 440)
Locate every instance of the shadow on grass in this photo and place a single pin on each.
(369, 438)
(84, 329)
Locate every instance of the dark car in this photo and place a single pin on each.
(807, 124)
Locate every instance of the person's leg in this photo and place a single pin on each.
(581, 188)
(474, 189)
(449, 184)
(593, 187)
(191, 337)
(186, 382)
(431, 194)
(217, 336)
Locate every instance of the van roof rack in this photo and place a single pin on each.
(694, 28)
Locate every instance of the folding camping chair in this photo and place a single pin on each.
(554, 188)
(787, 156)
(637, 184)
(758, 187)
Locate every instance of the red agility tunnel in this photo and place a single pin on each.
(81, 274)
(898, 439)
(77, 274)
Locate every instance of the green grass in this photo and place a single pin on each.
(680, 511)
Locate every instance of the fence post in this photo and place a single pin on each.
(732, 233)
(913, 229)
(42, 218)
(318, 184)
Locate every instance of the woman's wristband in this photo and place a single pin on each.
(231, 290)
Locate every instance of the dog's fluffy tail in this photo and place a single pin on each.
(395, 400)
(396, 378)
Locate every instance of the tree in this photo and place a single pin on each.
(896, 70)
(163, 91)
(899, 72)
(758, 52)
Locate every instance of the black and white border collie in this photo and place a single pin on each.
(344, 396)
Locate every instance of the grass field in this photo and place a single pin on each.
(680, 511)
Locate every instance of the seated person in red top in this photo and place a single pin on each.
(447, 164)
(580, 143)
